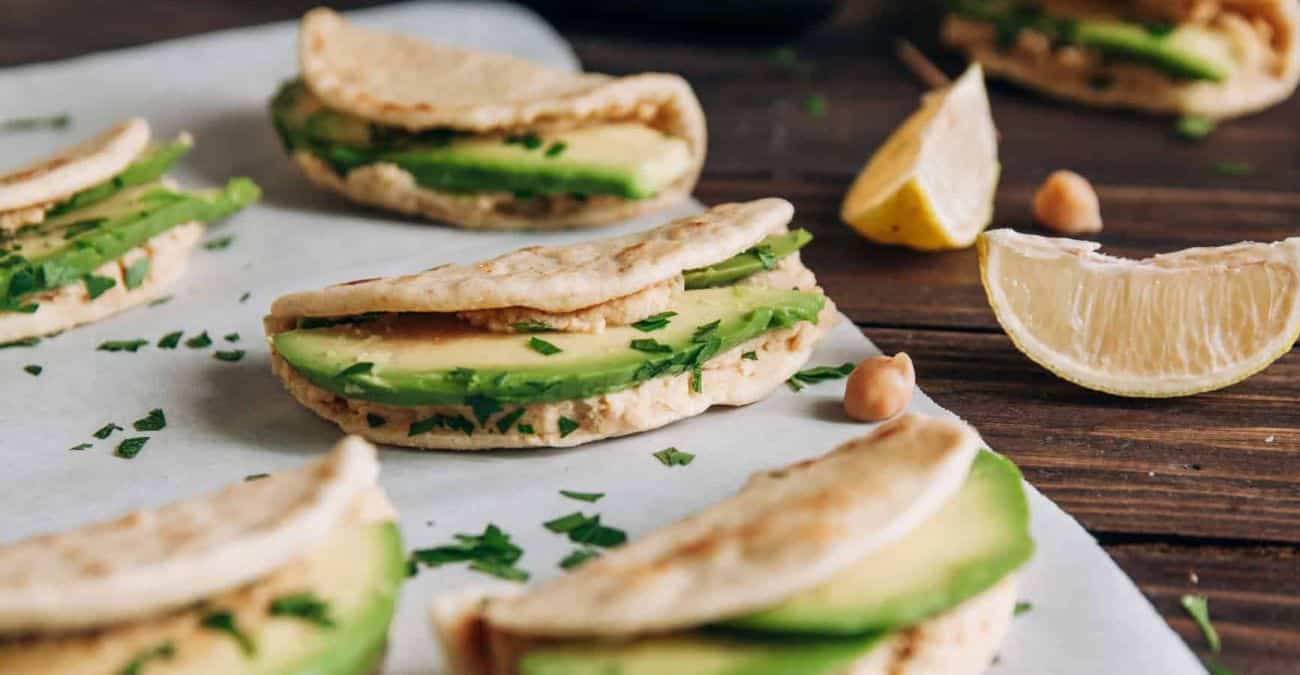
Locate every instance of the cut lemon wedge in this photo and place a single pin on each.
(931, 185)
(1172, 325)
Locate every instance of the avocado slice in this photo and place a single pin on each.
(623, 159)
(762, 257)
(979, 536)
(356, 573)
(148, 167)
(436, 359)
(700, 653)
(65, 248)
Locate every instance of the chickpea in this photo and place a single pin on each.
(879, 388)
(1067, 204)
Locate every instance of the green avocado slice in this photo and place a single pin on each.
(149, 167)
(354, 577)
(700, 653)
(63, 249)
(762, 257)
(436, 359)
(978, 537)
(622, 159)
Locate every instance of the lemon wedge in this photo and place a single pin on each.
(1171, 325)
(931, 185)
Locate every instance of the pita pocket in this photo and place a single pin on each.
(482, 140)
(1211, 59)
(557, 346)
(293, 572)
(893, 554)
(99, 228)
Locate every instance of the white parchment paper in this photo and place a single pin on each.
(228, 420)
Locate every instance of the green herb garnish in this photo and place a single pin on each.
(583, 529)
(256, 476)
(819, 374)
(655, 322)
(750, 356)
(154, 421)
(508, 420)
(122, 345)
(170, 340)
(1198, 606)
(359, 368)
(161, 301)
(130, 447)
(556, 149)
(55, 122)
(491, 553)
(529, 141)
(1022, 607)
(106, 431)
(650, 346)
(1194, 127)
(697, 380)
(1234, 169)
(136, 273)
(815, 106)
(224, 621)
(703, 332)
(766, 256)
(532, 327)
(25, 342)
(306, 606)
(483, 407)
(577, 557)
(81, 446)
(375, 421)
(96, 286)
(33, 369)
(229, 356)
(674, 457)
(543, 347)
(583, 496)
(219, 244)
(164, 651)
(231, 337)
(567, 426)
(199, 341)
(245, 296)
(525, 429)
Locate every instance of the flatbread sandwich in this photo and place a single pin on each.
(483, 140)
(557, 346)
(894, 554)
(295, 573)
(1208, 58)
(99, 228)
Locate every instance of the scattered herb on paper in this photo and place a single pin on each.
(25, 342)
(130, 447)
(53, 122)
(583, 496)
(750, 356)
(588, 530)
(674, 457)
(161, 301)
(256, 476)
(1022, 607)
(170, 340)
(154, 421)
(199, 341)
(33, 369)
(231, 337)
(819, 374)
(81, 446)
(219, 243)
(1198, 607)
(228, 355)
(245, 296)
(491, 553)
(132, 346)
(106, 431)
(577, 557)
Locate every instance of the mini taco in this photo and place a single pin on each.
(483, 140)
(557, 346)
(1216, 59)
(894, 554)
(290, 574)
(99, 228)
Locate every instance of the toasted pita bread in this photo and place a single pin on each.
(727, 379)
(405, 82)
(1140, 87)
(76, 168)
(159, 559)
(786, 531)
(67, 306)
(555, 278)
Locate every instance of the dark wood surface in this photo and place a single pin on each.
(1194, 495)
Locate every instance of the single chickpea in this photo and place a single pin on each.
(1066, 203)
(879, 388)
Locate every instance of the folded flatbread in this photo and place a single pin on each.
(781, 571)
(1210, 58)
(484, 140)
(556, 346)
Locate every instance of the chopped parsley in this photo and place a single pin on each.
(25, 342)
(697, 380)
(81, 446)
(577, 557)
(1198, 607)
(1194, 127)
(583, 496)
(130, 447)
(567, 426)
(650, 346)
(122, 345)
(136, 273)
(556, 149)
(256, 476)
(525, 429)
(231, 337)
(674, 457)
(245, 296)
(530, 141)
(1022, 607)
(359, 368)
(106, 431)
(819, 374)
(33, 369)
(654, 322)
(375, 421)
(543, 347)
(1234, 169)
(55, 122)
(508, 420)
(164, 651)
(583, 529)
(199, 341)
(750, 356)
(440, 421)
(766, 256)
(224, 621)
(703, 332)
(491, 553)
(306, 606)
(154, 421)
(483, 407)
(218, 244)
(161, 301)
(228, 355)
(815, 106)
(170, 340)
(532, 327)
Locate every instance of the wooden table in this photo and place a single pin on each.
(1195, 495)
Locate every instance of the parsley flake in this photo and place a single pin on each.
(136, 273)
(543, 347)
(508, 420)
(654, 322)
(525, 429)
(375, 421)
(583, 529)
(532, 327)
(25, 342)
(231, 337)
(33, 369)
(358, 368)
(650, 346)
(164, 651)
(703, 332)
(306, 606)
(491, 553)
(583, 496)
(674, 457)
(1198, 607)
(577, 557)
(697, 380)
(130, 447)
(1022, 607)
(81, 446)
(483, 407)
(750, 356)
(218, 244)
(170, 340)
(106, 431)
(229, 356)
(1194, 127)
(556, 149)
(55, 122)
(154, 421)
(819, 374)
(245, 296)
(529, 141)
(766, 256)
(256, 476)
(161, 301)
(199, 341)
(224, 621)
(567, 426)
(132, 346)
